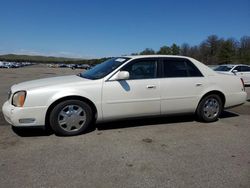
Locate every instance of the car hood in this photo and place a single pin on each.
(45, 82)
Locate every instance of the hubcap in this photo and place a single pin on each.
(211, 108)
(72, 118)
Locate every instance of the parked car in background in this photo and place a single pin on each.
(240, 70)
(1, 64)
(80, 66)
(123, 87)
(9, 65)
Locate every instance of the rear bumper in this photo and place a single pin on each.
(24, 117)
(235, 99)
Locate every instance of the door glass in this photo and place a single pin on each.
(143, 69)
(245, 69)
(174, 68)
(238, 68)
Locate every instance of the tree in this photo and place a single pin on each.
(165, 50)
(147, 51)
(175, 49)
(194, 52)
(244, 49)
(210, 48)
(227, 52)
(185, 49)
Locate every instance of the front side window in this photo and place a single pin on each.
(142, 69)
(238, 68)
(180, 68)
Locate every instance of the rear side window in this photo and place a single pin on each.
(180, 68)
(245, 69)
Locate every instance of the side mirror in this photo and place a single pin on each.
(123, 75)
(234, 71)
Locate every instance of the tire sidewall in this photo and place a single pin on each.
(56, 110)
(200, 112)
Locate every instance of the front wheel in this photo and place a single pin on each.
(209, 108)
(71, 117)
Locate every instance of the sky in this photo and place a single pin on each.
(104, 28)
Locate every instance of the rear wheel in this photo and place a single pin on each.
(209, 108)
(71, 117)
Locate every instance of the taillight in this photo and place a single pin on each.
(243, 85)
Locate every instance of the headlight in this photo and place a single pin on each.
(19, 98)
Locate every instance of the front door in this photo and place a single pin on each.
(137, 96)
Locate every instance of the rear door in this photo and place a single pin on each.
(181, 86)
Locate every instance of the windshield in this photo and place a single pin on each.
(103, 69)
(223, 68)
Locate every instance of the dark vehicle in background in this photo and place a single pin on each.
(80, 66)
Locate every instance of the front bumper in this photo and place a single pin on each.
(25, 116)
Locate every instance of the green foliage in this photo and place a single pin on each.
(227, 52)
(175, 49)
(147, 51)
(165, 50)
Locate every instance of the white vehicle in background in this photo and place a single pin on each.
(1, 64)
(240, 70)
(123, 87)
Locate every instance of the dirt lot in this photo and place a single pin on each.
(159, 152)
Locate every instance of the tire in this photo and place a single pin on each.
(209, 108)
(71, 117)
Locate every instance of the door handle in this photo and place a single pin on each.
(151, 86)
(199, 84)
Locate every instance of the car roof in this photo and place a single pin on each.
(233, 64)
(155, 56)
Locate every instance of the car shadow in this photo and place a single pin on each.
(155, 121)
(31, 131)
(121, 124)
(146, 121)
(228, 114)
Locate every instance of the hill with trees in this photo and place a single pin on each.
(48, 59)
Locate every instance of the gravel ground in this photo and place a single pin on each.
(153, 152)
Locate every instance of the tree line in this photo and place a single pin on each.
(48, 59)
(213, 50)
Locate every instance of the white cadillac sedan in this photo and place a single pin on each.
(240, 70)
(123, 87)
